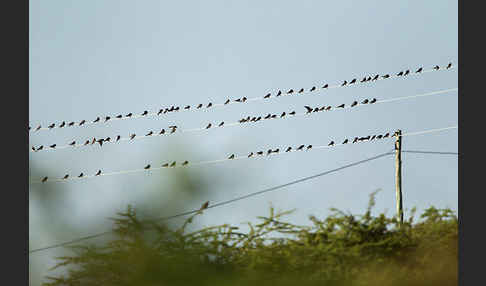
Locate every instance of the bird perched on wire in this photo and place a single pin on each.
(309, 147)
(62, 124)
(119, 116)
(419, 70)
(118, 138)
(268, 116)
(227, 101)
(238, 100)
(340, 106)
(353, 81)
(386, 76)
(301, 90)
(44, 179)
(96, 120)
(199, 105)
(53, 146)
(100, 141)
(386, 135)
(345, 141)
(144, 113)
(51, 126)
(71, 123)
(165, 165)
(376, 77)
(82, 122)
(406, 72)
(258, 118)
(33, 148)
(203, 207)
(344, 83)
(372, 137)
(331, 143)
(149, 134)
(354, 103)
(87, 142)
(292, 113)
(173, 129)
(283, 114)
(322, 108)
(232, 156)
(365, 101)
(363, 80)
(147, 167)
(260, 153)
(276, 150)
(40, 148)
(400, 73)
(267, 95)
(221, 124)
(253, 119)
(173, 164)
(279, 93)
(373, 100)
(436, 68)
(98, 173)
(379, 136)
(209, 126)
(309, 109)
(242, 120)
(251, 154)
(290, 91)
(177, 108)
(316, 109)
(160, 111)
(274, 116)
(129, 115)
(81, 175)
(269, 151)
(107, 118)
(301, 147)
(94, 141)
(328, 108)
(243, 99)
(209, 105)
(312, 88)
(185, 163)
(65, 177)
(288, 149)
(162, 131)
(325, 86)
(187, 107)
(72, 143)
(132, 136)
(449, 66)
(355, 139)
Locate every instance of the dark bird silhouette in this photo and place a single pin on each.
(279, 93)
(40, 148)
(185, 163)
(344, 83)
(386, 76)
(373, 137)
(449, 66)
(309, 147)
(60, 126)
(290, 91)
(107, 118)
(107, 139)
(331, 143)
(144, 113)
(227, 101)
(292, 113)
(221, 124)
(147, 167)
(316, 109)
(81, 175)
(165, 165)
(368, 79)
(253, 119)
(44, 179)
(400, 73)
(379, 136)
(268, 116)
(174, 128)
(53, 146)
(232, 156)
(386, 135)
(242, 120)
(325, 86)
(187, 107)
(309, 109)
(209, 105)
(406, 72)
(87, 142)
(120, 116)
(301, 147)
(149, 134)
(274, 115)
(33, 148)
(98, 173)
(248, 118)
(328, 108)
(355, 139)
(376, 77)
(340, 106)
(363, 80)
(199, 106)
(436, 68)
(251, 154)
(260, 152)
(51, 126)
(209, 126)
(173, 164)
(365, 101)
(345, 141)
(353, 81)
(276, 150)
(373, 100)
(354, 103)
(118, 137)
(243, 99)
(238, 100)
(162, 131)
(322, 108)
(132, 136)
(129, 115)
(313, 88)
(100, 141)
(288, 149)
(268, 95)
(269, 151)
(283, 114)
(204, 206)
(160, 111)
(71, 123)
(72, 143)
(65, 176)
(94, 141)
(301, 90)
(419, 70)
(258, 118)
(96, 120)
(177, 108)
(82, 122)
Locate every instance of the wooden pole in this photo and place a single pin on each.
(398, 174)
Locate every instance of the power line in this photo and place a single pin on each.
(430, 152)
(221, 203)
(222, 124)
(254, 155)
(188, 108)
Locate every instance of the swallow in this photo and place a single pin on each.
(199, 105)
(258, 118)
(316, 109)
(82, 122)
(94, 141)
(248, 118)
(227, 101)
(288, 149)
(242, 120)
(87, 142)
(376, 77)
(340, 106)
(400, 73)
(344, 83)
(165, 165)
(331, 143)
(267, 95)
(301, 90)
(232, 156)
(274, 115)
(365, 101)
(406, 72)
(279, 93)
(301, 147)
(367, 137)
(283, 114)
(147, 167)
(162, 131)
(309, 109)
(71, 123)
(253, 119)
(53, 146)
(33, 148)
(204, 206)
(373, 137)
(269, 151)
(260, 152)
(129, 115)
(243, 99)
(96, 120)
(107, 118)
(65, 177)
(98, 173)
(386, 76)
(185, 163)
(132, 136)
(449, 66)
(72, 143)
(328, 108)
(187, 107)
(292, 113)
(268, 116)
(312, 89)
(436, 68)
(51, 126)
(238, 100)
(209, 126)
(386, 135)
(290, 91)
(373, 100)
(173, 164)
(251, 154)
(177, 108)
(419, 70)
(309, 147)
(368, 79)
(119, 116)
(345, 141)
(160, 111)
(353, 81)
(363, 80)
(221, 124)
(60, 126)
(81, 175)
(379, 136)
(276, 150)
(322, 108)
(355, 139)
(144, 113)
(149, 134)
(325, 86)
(118, 138)
(354, 103)
(100, 141)
(209, 105)
(44, 179)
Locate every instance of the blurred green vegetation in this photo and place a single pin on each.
(342, 249)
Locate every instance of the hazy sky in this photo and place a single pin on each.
(94, 58)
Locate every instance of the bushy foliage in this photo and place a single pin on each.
(342, 249)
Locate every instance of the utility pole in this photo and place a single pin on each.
(398, 174)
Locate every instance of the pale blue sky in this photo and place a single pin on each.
(92, 58)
